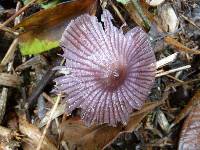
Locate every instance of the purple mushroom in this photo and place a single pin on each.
(111, 73)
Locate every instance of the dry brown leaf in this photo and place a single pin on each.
(32, 136)
(134, 14)
(177, 45)
(50, 23)
(79, 136)
(184, 112)
(52, 16)
(98, 138)
(7, 134)
(43, 30)
(190, 134)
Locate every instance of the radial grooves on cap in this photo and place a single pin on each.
(98, 56)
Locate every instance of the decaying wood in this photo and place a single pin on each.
(9, 80)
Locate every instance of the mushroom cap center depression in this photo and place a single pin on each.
(114, 76)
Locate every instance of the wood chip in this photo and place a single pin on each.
(9, 80)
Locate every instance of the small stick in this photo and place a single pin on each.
(182, 83)
(48, 123)
(173, 70)
(47, 97)
(166, 60)
(10, 53)
(190, 21)
(117, 11)
(174, 78)
(4, 93)
(136, 4)
(32, 100)
(7, 29)
(17, 14)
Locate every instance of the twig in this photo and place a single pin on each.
(7, 29)
(32, 100)
(166, 60)
(174, 78)
(47, 97)
(17, 14)
(173, 70)
(4, 93)
(190, 21)
(182, 83)
(10, 53)
(118, 13)
(3, 100)
(59, 111)
(48, 123)
(137, 6)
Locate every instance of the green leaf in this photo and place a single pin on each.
(37, 46)
(44, 4)
(123, 1)
(50, 4)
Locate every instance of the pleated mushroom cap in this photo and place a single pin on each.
(111, 72)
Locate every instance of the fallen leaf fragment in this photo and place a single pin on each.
(8, 139)
(189, 107)
(43, 29)
(154, 2)
(138, 13)
(123, 1)
(34, 61)
(7, 134)
(179, 46)
(59, 111)
(32, 136)
(37, 46)
(169, 18)
(73, 130)
(51, 17)
(190, 134)
(133, 12)
(97, 137)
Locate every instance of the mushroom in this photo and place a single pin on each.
(111, 73)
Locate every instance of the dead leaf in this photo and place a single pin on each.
(59, 111)
(77, 135)
(136, 116)
(48, 25)
(168, 18)
(134, 14)
(179, 46)
(185, 111)
(190, 134)
(7, 134)
(53, 16)
(32, 136)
